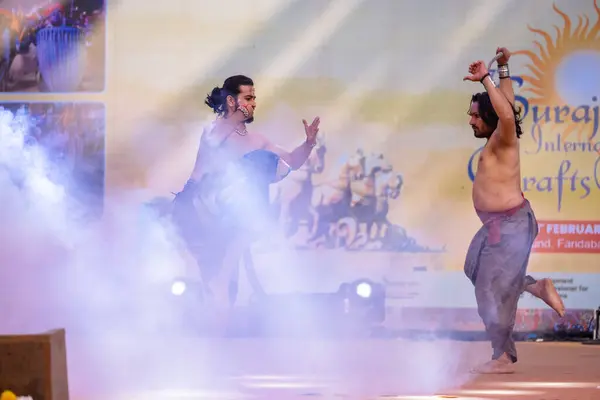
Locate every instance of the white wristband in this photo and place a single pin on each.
(491, 80)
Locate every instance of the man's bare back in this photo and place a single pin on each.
(497, 184)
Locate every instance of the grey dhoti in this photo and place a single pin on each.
(496, 264)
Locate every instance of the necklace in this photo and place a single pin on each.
(243, 132)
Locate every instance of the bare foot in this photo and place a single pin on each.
(544, 289)
(494, 367)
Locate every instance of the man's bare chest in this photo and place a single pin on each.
(484, 162)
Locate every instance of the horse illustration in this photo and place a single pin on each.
(292, 196)
(388, 186)
(331, 200)
(364, 192)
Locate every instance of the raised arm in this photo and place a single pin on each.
(296, 158)
(506, 117)
(506, 84)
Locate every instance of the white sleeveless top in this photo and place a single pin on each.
(213, 157)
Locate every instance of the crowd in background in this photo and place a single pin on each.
(19, 28)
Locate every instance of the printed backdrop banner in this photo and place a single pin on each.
(397, 157)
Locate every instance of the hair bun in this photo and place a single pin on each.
(214, 99)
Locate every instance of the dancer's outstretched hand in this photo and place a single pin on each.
(311, 130)
(477, 70)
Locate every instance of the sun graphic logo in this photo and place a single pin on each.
(562, 86)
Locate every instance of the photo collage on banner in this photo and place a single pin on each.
(55, 48)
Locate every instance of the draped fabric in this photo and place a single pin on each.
(225, 205)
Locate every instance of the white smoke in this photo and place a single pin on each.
(100, 265)
(107, 281)
(99, 278)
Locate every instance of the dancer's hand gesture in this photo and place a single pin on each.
(477, 70)
(311, 131)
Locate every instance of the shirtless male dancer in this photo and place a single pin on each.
(496, 262)
(225, 202)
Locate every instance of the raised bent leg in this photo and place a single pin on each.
(544, 290)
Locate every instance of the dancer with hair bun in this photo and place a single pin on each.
(224, 205)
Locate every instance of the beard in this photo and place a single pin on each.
(480, 134)
(248, 118)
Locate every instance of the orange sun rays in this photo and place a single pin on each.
(539, 81)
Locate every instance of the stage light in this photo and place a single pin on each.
(356, 309)
(364, 290)
(364, 298)
(178, 288)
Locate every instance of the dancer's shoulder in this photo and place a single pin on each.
(211, 135)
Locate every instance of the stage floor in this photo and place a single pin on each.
(343, 369)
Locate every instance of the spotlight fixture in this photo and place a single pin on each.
(356, 309)
(364, 290)
(178, 288)
(187, 290)
(364, 299)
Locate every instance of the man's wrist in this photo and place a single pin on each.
(487, 82)
(503, 71)
(310, 142)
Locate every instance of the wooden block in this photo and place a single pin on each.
(35, 365)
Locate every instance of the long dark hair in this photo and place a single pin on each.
(488, 114)
(217, 98)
